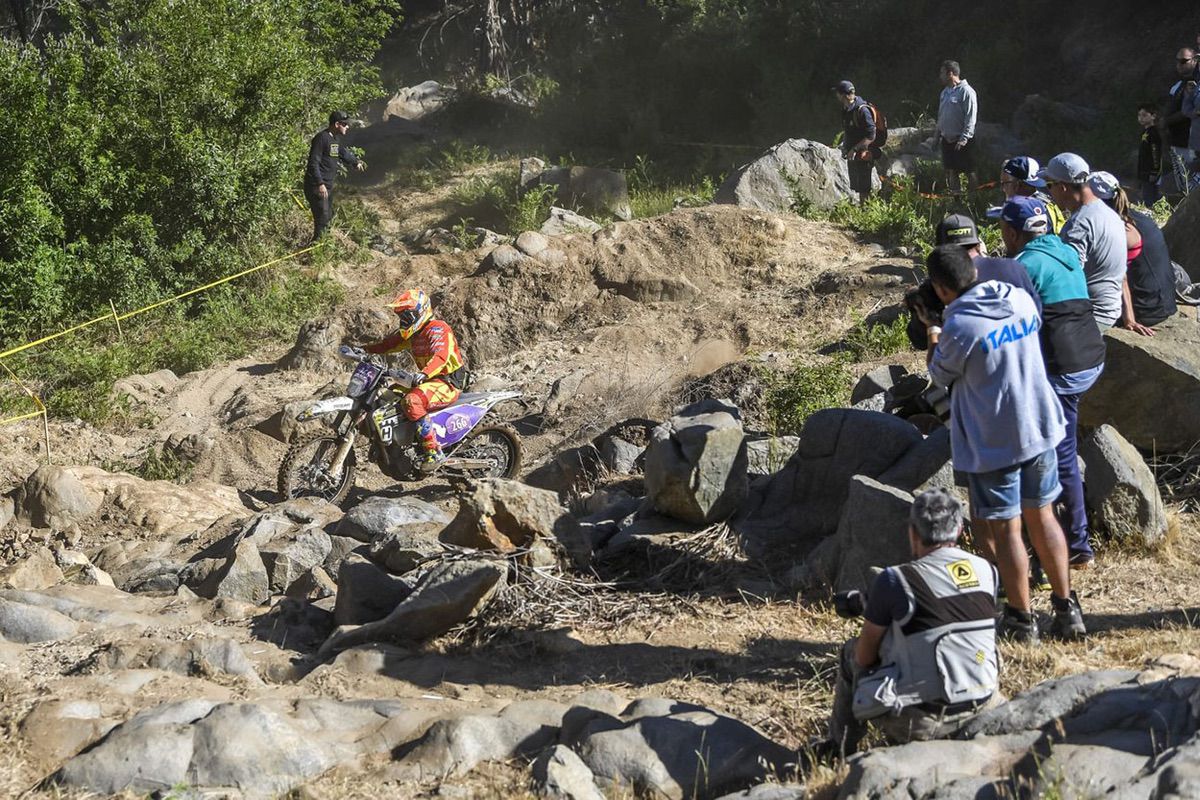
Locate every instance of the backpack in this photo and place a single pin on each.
(881, 126)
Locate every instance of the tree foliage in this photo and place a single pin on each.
(153, 144)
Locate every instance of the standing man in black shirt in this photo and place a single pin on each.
(323, 156)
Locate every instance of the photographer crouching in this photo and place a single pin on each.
(926, 660)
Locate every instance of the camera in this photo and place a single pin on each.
(850, 604)
(925, 296)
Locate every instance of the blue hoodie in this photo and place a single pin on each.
(1002, 408)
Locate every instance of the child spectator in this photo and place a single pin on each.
(1150, 154)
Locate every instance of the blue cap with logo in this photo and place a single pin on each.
(844, 87)
(1024, 169)
(1104, 185)
(1026, 214)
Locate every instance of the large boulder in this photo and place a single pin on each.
(245, 750)
(508, 515)
(696, 463)
(1182, 233)
(416, 102)
(1039, 119)
(316, 346)
(290, 556)
(241, 576)
(450, 593)
(378, 516)
(798, 166)
(590, 189)
(564, 222)
(802, 503)
(873, 533)
(366, 593)
(54, 497)
(1150, 388)
(676, 750)
(1123, 500)
(27, 624)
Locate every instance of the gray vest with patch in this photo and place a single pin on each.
(945, 649)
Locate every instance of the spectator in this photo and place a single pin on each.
(957, 113)
(961, 230)
(1148, 295)
(1094, 230)
(1005, 424)
(1150, 153)
(1191, 110)
(1178, 126)
(325, 153)
(858, 137)
(1072, 345)
(929, 625)
(1018, 178)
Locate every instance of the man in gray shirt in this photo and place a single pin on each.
(1095, 231)
(957, 113)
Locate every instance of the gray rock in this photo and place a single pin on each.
(36, 571)
(560, 773)
(377, 516)
(416, 102)
(242, 576)
(1122, 496)
(590, 189)
(340, 547)
(1040, 117)
(696, 463)
(148, 575)
(937, 769)
(910, 141)
(450, 593)
(532, 243)
(872, 534)
(768, 455)
(287, 558)
(876, 402)
(316, 346)
(26, 624)
(1182, 233)
(802, 503)
(924, 465)
(199, 656)
(250, 751)
(563, 223)
(689, 753)
(313, 585)
(506, 515)
(504, 258)
(1150, 388)
(365, 593)
(878, 381)
(53, 497)
(620, 456)
(562, 392)
(406, 549)
(1044, 703)
(1080, 770)
(770, 791)
(770, 182)
(456, 746)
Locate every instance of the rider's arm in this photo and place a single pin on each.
(389, 344)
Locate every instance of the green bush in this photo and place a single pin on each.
(795, 395)
(865, 342)
(159, 142)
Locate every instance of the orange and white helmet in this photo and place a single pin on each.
(413, 309)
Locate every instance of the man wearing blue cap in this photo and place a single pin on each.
(1095, 231)
(858, 139)
(1072, 345)
(1018, 178)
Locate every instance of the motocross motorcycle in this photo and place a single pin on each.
(476, 443)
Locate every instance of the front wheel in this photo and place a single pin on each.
(497, 444)
(305, 471)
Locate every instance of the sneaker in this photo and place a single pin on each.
(1068, 619)
(1081, 559)
(1017, 626)
(1038, 582)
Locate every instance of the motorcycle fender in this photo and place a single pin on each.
(323, 407)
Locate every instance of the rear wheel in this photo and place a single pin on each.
(305, 471)
(497, 444)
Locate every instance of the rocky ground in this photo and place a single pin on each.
(604, 635)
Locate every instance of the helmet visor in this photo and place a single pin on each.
(408, 317)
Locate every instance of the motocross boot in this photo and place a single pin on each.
(433, 455)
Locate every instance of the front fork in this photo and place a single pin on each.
(344, 448)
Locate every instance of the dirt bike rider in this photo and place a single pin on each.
(435, 349)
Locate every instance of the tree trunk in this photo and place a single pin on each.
(493, 55)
